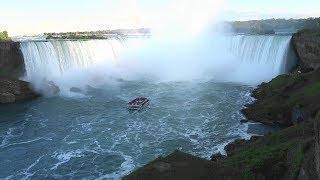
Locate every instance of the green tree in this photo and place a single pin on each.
(4, 36)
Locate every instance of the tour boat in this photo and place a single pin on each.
(138, 103)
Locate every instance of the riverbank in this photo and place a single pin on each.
(288, 100)
(283, 155)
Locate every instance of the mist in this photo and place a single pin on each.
(187, 43)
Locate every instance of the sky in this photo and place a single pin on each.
(27, 17)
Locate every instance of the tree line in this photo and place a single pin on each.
(271, 26)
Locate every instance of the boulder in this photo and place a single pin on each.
(52, 88)
(15, 90)
(217, 157)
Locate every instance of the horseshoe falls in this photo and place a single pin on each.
(241, 54)
(84, 130)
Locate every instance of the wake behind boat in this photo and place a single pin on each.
(138, 103)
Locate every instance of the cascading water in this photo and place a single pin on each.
(52, 58)
(273, 51)
(260, 56)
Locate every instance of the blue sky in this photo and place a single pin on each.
(37, 16)
(249, 9)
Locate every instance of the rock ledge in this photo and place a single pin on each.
(15, 90)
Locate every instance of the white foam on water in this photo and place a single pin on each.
(126, 167)
(7, 137)
(12, 134)
(220, 148)
(8, 177)
(26, 172)
(65, 157)
(27, 142)
(90, 137)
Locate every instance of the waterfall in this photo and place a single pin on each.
(274, 51)
(247, 59)
(55, 57)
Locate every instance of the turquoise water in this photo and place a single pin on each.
(95, 136)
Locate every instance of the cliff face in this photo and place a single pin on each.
(11, 69)
(11, 60)
(307, 45)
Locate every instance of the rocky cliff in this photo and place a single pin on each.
(11, 69)
(307, 46)
(11, 60)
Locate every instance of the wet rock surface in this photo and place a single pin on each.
(15, 90)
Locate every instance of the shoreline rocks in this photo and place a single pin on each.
(286, 100)
(287, 154)
(12, 91)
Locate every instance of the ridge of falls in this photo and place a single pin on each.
(273, 50)
(234, 58)
(56, 57)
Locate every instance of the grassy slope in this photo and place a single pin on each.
(277, 99)
(275, 156)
